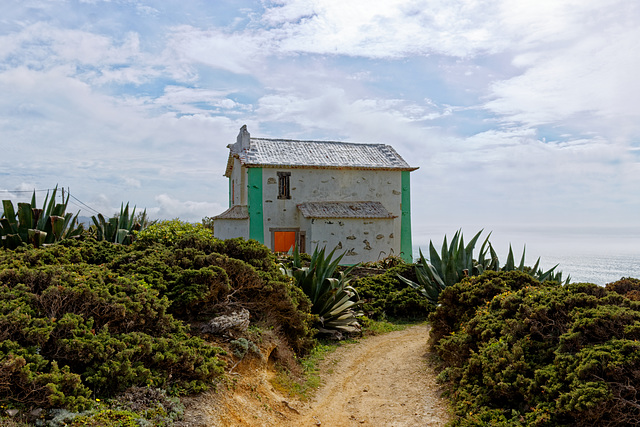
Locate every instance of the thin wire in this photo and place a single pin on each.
(72, 203)
(25, 191)
(83, 203)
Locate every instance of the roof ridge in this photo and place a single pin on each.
(320, 141)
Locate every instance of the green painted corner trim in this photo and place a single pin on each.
(254, 202)
(406, 247)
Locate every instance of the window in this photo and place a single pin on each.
(284, 186)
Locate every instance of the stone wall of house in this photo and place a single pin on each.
(317, 185)
(361, 240)
(231, 228)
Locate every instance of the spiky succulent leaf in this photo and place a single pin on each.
(25, 216)
(521, 266)
(9, 213)
(57, 226)
(36, 237)
(332, 299)
(510, 265)
(7, 227)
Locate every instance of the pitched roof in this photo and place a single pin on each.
(344, 210)
(263, 152)
(234, 212)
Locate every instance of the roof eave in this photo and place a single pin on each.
(348, 217)
(229, 168)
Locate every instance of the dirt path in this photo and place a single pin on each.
(382, 381)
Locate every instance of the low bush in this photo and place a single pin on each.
(539, 354)
(84, 318)
(458, 303)
(627, 286)
(200, 283)
(70, 330)
(168, 233)
(106, 418)
(151, 405)
(385, 295)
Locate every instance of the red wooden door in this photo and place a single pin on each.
(284, 240)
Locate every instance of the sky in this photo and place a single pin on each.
(522, 116)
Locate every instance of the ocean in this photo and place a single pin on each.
(595, 254)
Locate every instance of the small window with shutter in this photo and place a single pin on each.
(284, 185)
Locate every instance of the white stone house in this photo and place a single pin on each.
(353, 197)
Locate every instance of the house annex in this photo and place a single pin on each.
(353, 197)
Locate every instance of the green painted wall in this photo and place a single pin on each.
(254, 202)
(405, 220)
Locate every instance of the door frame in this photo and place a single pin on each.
(301, 237)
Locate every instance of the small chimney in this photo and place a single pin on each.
(243, 142)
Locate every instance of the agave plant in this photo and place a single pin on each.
(456, 261)
(534, 271)
(333, 299)
(453, 264)
(119, 228)
(37, 226)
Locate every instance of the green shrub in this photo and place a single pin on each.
(459, 302)
(252, 252)
(152, 406)
(106, 418)
(531, 354)
(407, 304)
(169, 232)
(221, 282)
(627, 286)
(385, 295)
(242, 346)
(87, 315)
(29, 379)
(196, 289)
(68, 328)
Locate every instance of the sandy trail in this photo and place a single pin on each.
(381, 381)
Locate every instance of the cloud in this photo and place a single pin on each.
(335, 112)
(381, 28)
(238, 53)
(169, 207)
(41, 45)
(513, 177)
(591, 83)
(460, 28)
(194, 101)
(65, 131)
